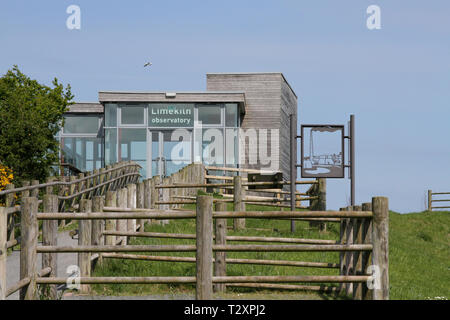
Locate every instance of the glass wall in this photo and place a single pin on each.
(82, 141)
(139, 132)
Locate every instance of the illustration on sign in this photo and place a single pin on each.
(322, 151)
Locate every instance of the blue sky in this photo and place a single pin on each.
(395, 80)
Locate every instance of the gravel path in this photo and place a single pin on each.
(64, 260)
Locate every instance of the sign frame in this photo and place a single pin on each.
(342, 166)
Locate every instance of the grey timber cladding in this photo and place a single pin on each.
(269, 102)
(86, 107)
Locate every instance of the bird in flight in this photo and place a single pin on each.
(148, 64)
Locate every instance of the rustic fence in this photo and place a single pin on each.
(68, 193)
(431, 200)
(108, 220)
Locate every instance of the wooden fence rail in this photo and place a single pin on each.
(109, 215)
(431, 200)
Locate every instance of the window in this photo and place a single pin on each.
(133, 144)
(110, 146)
(83, 124)
(132, 114)
(110, 115)
(85, 153)
(210, 114)
(231, 115)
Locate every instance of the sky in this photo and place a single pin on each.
(395, 80)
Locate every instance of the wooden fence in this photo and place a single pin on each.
(431, 200)
(107, 220)
(68, 193)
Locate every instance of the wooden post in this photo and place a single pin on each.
(28, 244)
(110, 224)
(204, 240)
(50, 238)
(154, 196)
(3, 251)
(380, 253)
(140, 189)
(25, 193)
(84, 239)
(348, 255)
(239, 204)
(35, 192)
(122, 224)
(321, 203)
(10, 201)
(366, 255)
(131, 204)
(342, 255)
(430, 202)
(148, 195)
(220, 267)
(98, 226)
(101, 180)
(72, 189)
(357, 255)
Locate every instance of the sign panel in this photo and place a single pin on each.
(170, 115)
(322, 151)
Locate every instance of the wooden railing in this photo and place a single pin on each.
(69, 191)
(108, 220)
(431, 200)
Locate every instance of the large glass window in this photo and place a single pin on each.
(110, 115)
(231, 115)
(133, 144)
(210, 114)
(82, 152)
(110, 146)
(132, 114)
(83, 124)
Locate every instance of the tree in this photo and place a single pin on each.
(31, 114)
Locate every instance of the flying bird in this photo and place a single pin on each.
(148, 64)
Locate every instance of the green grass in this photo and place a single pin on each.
(419, 258)
(419, 252)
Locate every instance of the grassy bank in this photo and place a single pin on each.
(419, 258)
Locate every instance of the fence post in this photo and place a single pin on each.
(131, 204)
(154, 196)
(204, 240)
(25, 193)
(357, 255)
(148, 196)
(122, 223)
(366, 294)
(98, 226)
(140, 189)
(84, 239)
(3, 251)
(239, 204)
(50, 238)
(342, 255)
(110, 224)
(35, 192)
(220, 266)
(28, 244)
(430, 203)
(321, 203)
(380, 253)
(10, 202)
(348, 254)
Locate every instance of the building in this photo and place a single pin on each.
(241, 120)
